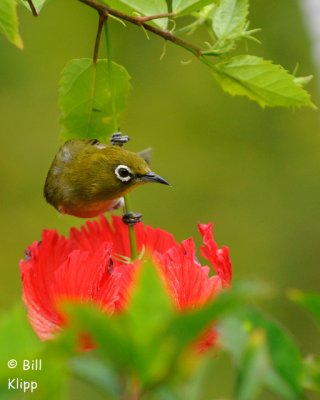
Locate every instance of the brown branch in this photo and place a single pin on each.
(32, 8)
(102, 19)
(156, 16)
(142, 21)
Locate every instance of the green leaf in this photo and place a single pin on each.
(89, 319)
(229, 23)
(38, 4)
(183, 7)
(150, 338)
(85, 96)
(310, 301)
(230, 18)
(260, 80)
(283, 366)
(145, 322)
(254, 366)
(143, 7)
(18, 342)
(137, 341)
(284, 354)
(9, 22)
(17, 339)
(188, 325)
(311, 373)
(53, 377)
(148, 317)
(97, 373)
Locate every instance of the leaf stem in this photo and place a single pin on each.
(132, 237)
(109, 61)
(142, 21)
(102, 18)
(32, 8)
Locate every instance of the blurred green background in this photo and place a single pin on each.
(253, 172)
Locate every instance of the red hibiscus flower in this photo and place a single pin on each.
(89, 266)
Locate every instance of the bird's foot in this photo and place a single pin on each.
(116, 204)
(118, 139)
(131, 218)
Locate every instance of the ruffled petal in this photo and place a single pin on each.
(56, 270)
(188, 282)
(89, 268)
(155, 239)
(126, 274)
(219, 258)
(37, 274)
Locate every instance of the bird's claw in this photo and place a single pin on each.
(118, 139)
(131, 218)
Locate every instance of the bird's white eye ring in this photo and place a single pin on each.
(123, 173)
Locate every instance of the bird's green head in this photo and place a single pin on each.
(127, 170)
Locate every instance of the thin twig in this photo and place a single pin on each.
(32, 8)
(156, 16)
(141, 21)
(102, 18)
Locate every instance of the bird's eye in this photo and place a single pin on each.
(123, 173)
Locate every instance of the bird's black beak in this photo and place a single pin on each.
(152, 177)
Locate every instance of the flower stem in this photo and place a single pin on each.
(132, 236)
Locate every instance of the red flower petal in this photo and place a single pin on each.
(58, 271)
(88, 267)
(154, 240)
(188, 282)
(219, 258)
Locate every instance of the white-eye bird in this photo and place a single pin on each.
(87, 177)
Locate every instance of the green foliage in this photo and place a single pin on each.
(87, 109)
(254, 366)
(151, 340)
(153, 344)
(311, 373)
(92, 97)
(230, 18)
(190, 324)
(229, 23)
(260, 80)
(268, 84)
(265, 354)
(310, 301)
(183, 7)
(97, 373)
(18, 342)
(9, 22)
